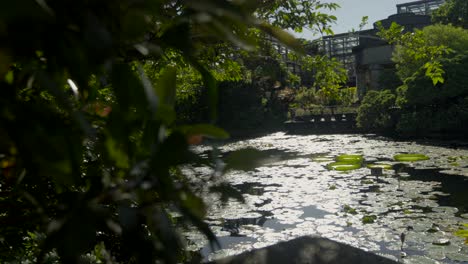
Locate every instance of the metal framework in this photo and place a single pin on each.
(340, 46)
(423, 7)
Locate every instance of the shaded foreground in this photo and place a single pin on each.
(311, 250)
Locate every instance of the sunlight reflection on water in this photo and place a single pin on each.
(289, 195)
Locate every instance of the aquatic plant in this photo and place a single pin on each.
(346, 162)
(351, 158)
(343, 166)
(410, 157)
(349, 210)
(369, 219)
(463, 233)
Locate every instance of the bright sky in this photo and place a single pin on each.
(351, 12)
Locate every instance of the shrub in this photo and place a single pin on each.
(375, 111)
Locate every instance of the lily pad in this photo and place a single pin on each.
(369, 219)
(420, 260)
(445, 209)
(343, 166)
(464, 216)
(322, 159)
(441, 242)
(462, 233)
(350, 158)
(410, 157)
(380, 165)
(458, 257)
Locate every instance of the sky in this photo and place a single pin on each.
(350, 13)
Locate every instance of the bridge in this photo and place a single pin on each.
(323, 120)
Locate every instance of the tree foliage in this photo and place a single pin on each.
(414, 52)
(298, 14)
(432, 98)
(90, 152)
(454, 12)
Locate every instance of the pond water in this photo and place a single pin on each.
(291, 193)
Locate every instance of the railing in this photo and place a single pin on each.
(324, 114)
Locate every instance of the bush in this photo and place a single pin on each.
(375, 111)
(435, 109)
(449, 118)
(432, 65)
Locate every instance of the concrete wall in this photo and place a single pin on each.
(373, 55)
(370, 63)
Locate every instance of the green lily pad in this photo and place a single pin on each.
(410, 157)
(343, 166)
(462, 233)
(350, 158)
(380, 165)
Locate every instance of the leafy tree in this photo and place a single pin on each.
(90, 153)
(412, 66)
(298, 14)
(431, 64)
(454, 12)
(414, 52)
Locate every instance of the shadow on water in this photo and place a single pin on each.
(457, 143)
(233, 226)
(226, 242)
(268, 156)
(253, 188)
(454, 185)
(313, 212)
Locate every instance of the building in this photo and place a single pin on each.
(373, 55)
(364, 54)
(340, 46)
(422, 7)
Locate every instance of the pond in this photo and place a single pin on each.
(292, 192)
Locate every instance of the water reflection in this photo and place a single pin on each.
(291, 193)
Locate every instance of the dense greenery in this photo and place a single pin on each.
(90, 150)
(454, 12)
(375, 111)
(431, 65)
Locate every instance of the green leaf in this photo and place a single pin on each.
(410, 157)
(193, 203)
(350, 158)
(244, 159)
(120, 157)
(462, 233)
(344, 166)
(128, 88)
(211, 85)
(166, 86)
(9, 77)
(282, 36)
(205, 130)
(166, 114)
